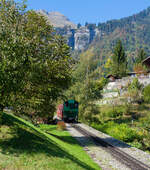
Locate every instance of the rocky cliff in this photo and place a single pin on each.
(77, 38)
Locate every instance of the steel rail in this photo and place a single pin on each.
(123, 157)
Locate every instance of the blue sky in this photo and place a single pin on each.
(91, 11)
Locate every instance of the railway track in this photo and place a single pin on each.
(121, 156)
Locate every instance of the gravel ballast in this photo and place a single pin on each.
(104, 159)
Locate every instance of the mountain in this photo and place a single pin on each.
(57, 19)
(78, 38)
(134, 31)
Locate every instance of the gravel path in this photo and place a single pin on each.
(104, 159)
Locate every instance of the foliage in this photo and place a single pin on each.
(119, 60)
(145, 122)
(114, 113)
(139, 68)
(86, 86)
(102, 82)
(119, 131)
(108, 65)
(110, 112)
(35, 63)
(87, 112)
(141, 56)
(131, 127)
(146, 94)
(135, 90)
(88, 92)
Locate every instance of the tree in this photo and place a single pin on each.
(91, 26)
(78, 25)
(35, 63)
(86, 24)
(119, 60)
(141, 56)
(138, 66)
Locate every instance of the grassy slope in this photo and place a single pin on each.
(24, 146)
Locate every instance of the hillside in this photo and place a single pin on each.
(24, 146)
(133, 30)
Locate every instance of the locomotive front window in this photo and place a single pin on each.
(66, 103)
(76, 105)
(71, 105)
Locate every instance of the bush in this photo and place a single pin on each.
(102, 82)
(127, 108)
(113, 112)
(119, 131)
(135, 90)
(140, 68)
(145, 122)
(146, 94)
(123, 132)
(87, 112)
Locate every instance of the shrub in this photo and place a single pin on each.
(145, 122)
(146, 94)
(127, 108)
(114, 112)
(119, 131)
(123, 132)
(87, 112)
(139, 68)
(134, 90)
(102, 82)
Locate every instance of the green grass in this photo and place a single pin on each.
(129, 123)
(24, 146)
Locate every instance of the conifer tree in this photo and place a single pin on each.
(119, 60)
(141, 56)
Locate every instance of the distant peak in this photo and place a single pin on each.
(55, 13)
(57, 19)
(42, 11)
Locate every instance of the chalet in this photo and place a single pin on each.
(111, 77)
(141, 73)
(146, 62)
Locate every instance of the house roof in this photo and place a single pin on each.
(111, 75)
(146, 60)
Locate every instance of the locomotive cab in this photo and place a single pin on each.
(68, 111)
